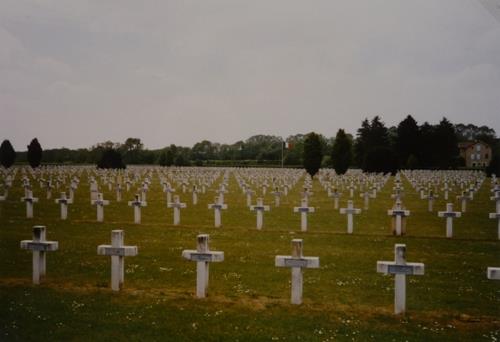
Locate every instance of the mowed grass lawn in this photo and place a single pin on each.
(248, 297)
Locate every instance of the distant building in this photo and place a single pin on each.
(475, 153)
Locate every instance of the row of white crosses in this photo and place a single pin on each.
(203, 256)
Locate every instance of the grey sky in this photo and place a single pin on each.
(74, 73)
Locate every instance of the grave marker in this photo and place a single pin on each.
(202, 256)
(297, 261)
(400, 268)
(118, 252)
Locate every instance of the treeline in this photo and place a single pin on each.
(375, 147)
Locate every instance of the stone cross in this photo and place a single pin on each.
(449, 214)
(335, 195)
(431, 197)
(64, 201)
(306, 194)
(496, 198)
(400, 268)
(169, 190)
(249, 192)
(137, 203)
(221, 193)
(195, 195)
(39, 246)
(217, 206)
(100, 203)
(366, 196)
(277, 196)
(118, 252)
(297, 261)
(29, 199)
(260, 208)
(398, 214)
(118, 192)
(93, 191)
(304, 209)
(177, 205)
(351, 190)
(496, 215)
(493, 273)
(350, 211)
(446, 191)
(464, 198)
(203, 256)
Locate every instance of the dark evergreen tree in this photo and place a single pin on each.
(380, 159)
(407, 142)
(34, 153)
(169, 157)
(341, 152)
(446, 145)
(7, 154)
(361, 144)
(111, 159)
(313, 153)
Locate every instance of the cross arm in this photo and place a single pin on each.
(210, 256)
(119, 251)
(410, 268)
(289, 261)
(45, 246)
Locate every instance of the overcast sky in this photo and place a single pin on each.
(74, 73)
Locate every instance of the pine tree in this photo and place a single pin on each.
(313, 153)
(341, 152)
(7, 154)
(407, 142)
(34, 153)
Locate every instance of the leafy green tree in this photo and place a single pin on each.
(34, 153)
(7, 154)
(111, 159)
(341, 152)
(313, 153)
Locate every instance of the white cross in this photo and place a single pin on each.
(336, 195)
(431, 197)
(169, 190)
(177, 205)
(260, 208)
(195, 195)
(217, 206)
(64, 201)
(366, 196)
(100, 203)
(450, 215)
(493, 273)
(118, 252)
(203, 256)
(496, 216)
(398, 213)
(137, 203)
(277, 196)
(93, 191)
(464, 198)
(446, 190)
(350, 210)
(304, 209)
(496, 198)
(39, 246)
(118, 192)
(400, 268)
(29, 199)
(297, 261)
(249, 192)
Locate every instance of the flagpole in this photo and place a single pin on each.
(282, 146)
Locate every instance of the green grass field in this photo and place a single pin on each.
(248, 297)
